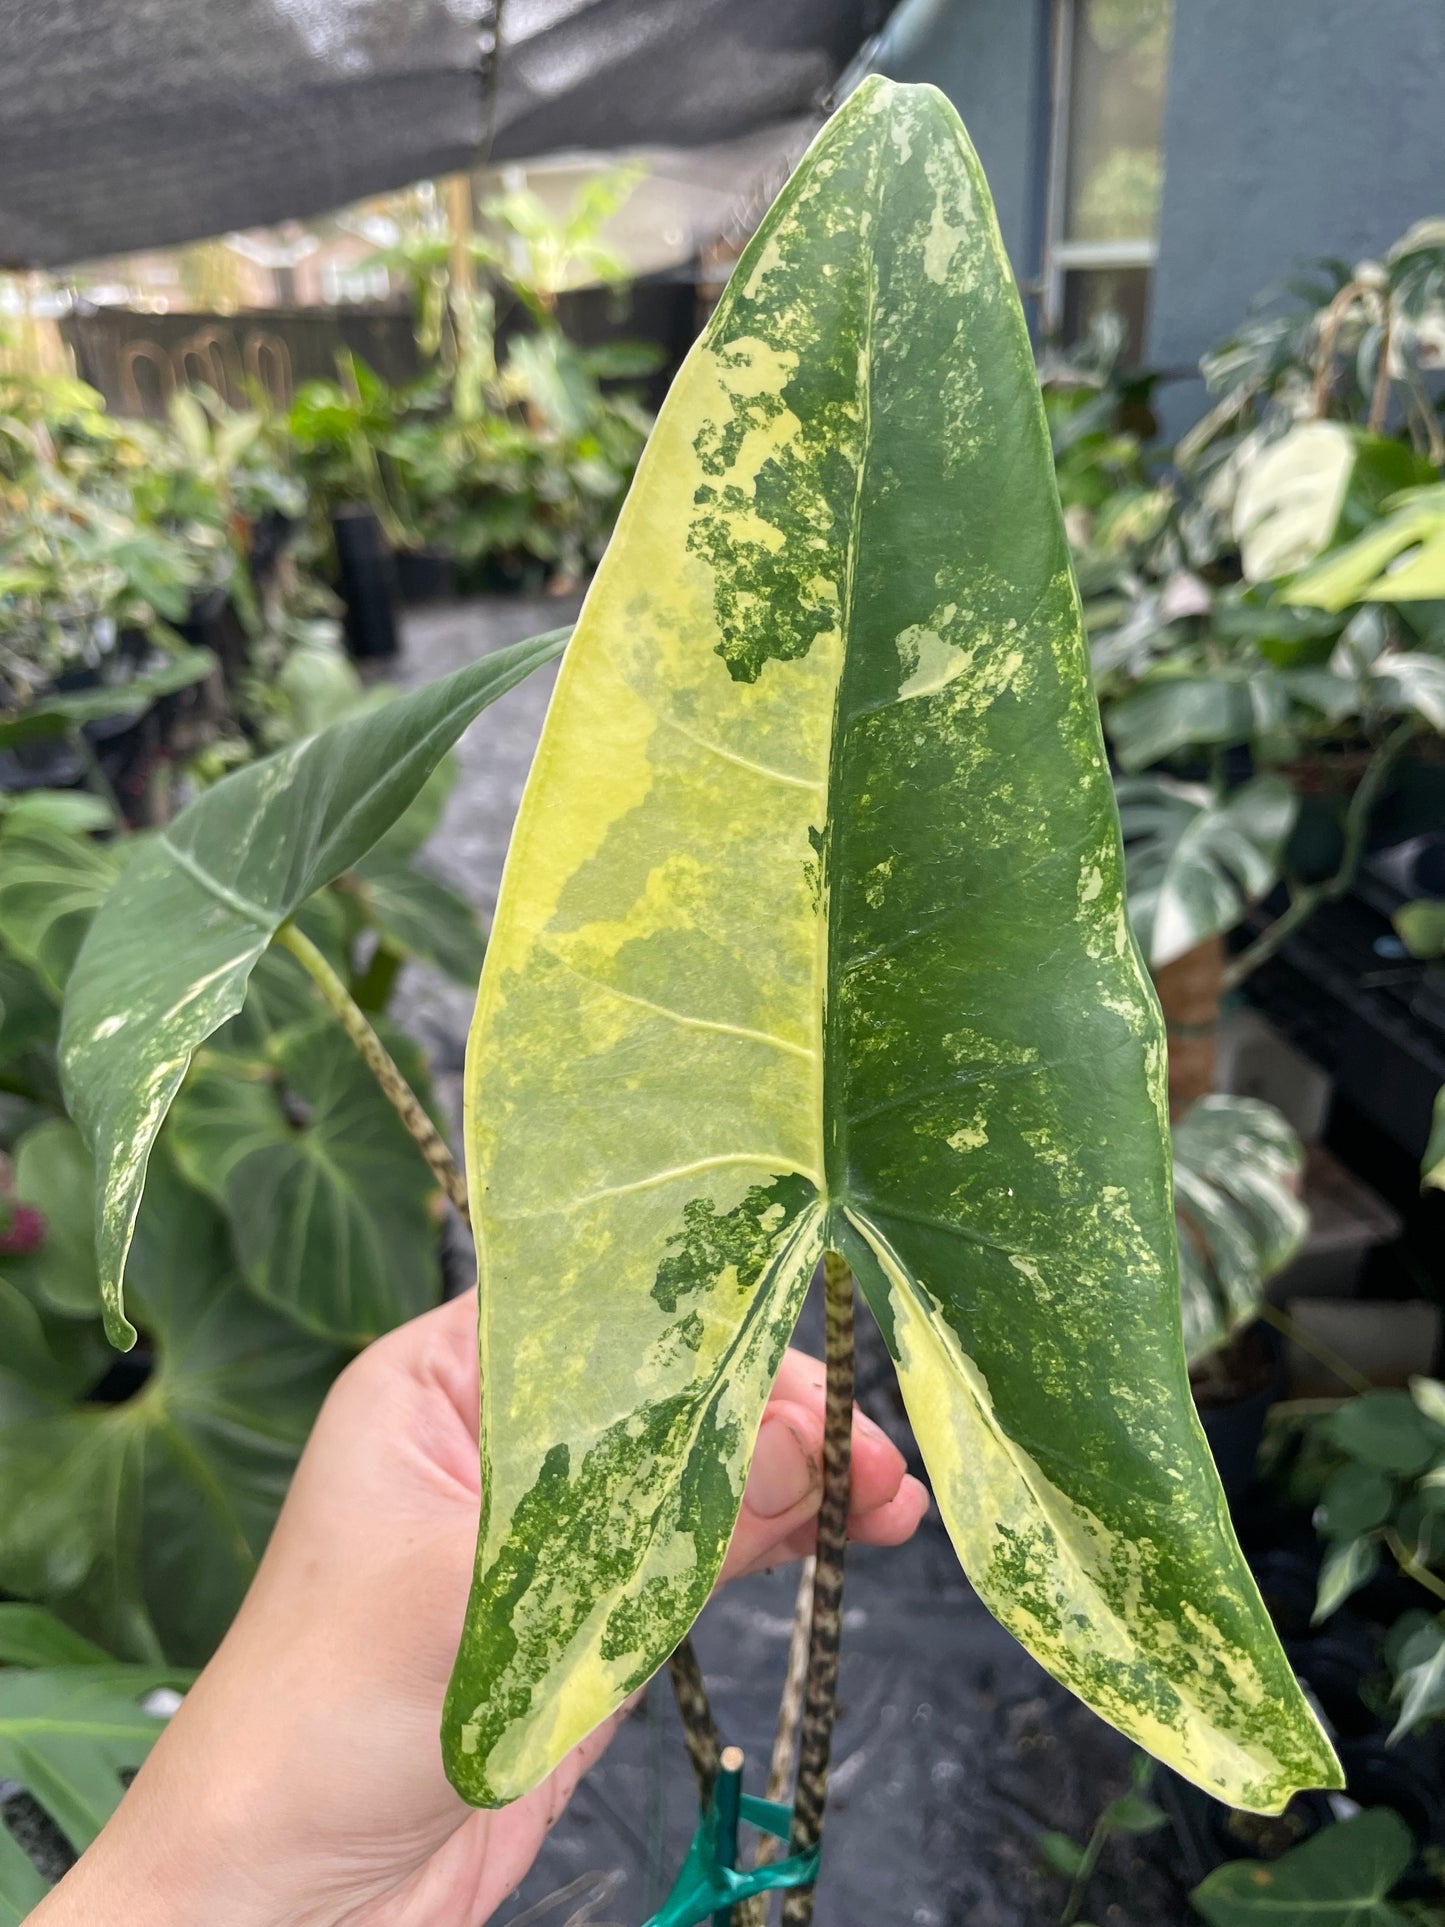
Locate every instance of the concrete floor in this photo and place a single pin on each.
(953, 1748)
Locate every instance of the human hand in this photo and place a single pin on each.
(301, 1782)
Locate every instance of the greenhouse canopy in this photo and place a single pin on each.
(126, 127)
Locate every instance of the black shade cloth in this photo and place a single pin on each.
(127, 124)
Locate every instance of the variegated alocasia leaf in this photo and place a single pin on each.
(168, 957)
(812, 934)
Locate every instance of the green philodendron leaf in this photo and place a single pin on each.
(419, 823)
(812, 933)
(142, 1522)
(67, 1733)
(218, 883)
(1420, 1687)
(51, 885)
(1347, 1565)
(75, 811)
(43, 1360)
(1400, 560)
(1341, 1877)
(54, 1172)
(28, 1015)
(1170, 713)
(326, 1194)
(1237, 1170)
(1195, 860)
(1408, 681)
(421, 917)
(1388, 1430)
(53, 715)
(1356, 1499)
(30, 1636)
(1290, 496)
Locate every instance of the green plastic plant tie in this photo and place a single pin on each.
(704, 1887)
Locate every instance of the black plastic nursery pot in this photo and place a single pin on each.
(425, 575)
(1233, 1414)
(366, 580)
(512, 573)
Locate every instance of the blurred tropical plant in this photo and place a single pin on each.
(513, 452)
(288, 1217)
(1266, 612)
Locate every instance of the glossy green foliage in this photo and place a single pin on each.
(1194, 861)
(813, 934)
(1237, 1173)
(219, 882)
(327, 1198)
(1342, 1877)
(418, 916)
(54, 1173)
(51, 883)
(143, 1521)
(55, 713)
(72, 1721)
(1402, 559)
(1374, 1472)
(1419, 1666)
(1318, 484)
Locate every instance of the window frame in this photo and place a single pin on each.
(1059, 255)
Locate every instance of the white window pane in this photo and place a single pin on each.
(1115, 163)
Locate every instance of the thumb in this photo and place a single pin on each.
(784, 1488)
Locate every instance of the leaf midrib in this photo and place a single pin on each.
(831, 1159)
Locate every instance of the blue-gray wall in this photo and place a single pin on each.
(989, 57)
(1294, 129)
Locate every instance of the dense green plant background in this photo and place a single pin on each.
(1266, 607)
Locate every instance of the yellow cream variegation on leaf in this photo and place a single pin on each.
(812, 933)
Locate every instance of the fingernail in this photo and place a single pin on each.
(867, 1426)
(782, 1473)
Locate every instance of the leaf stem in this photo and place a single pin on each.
(699, 1729)
(379, 1061)
(820, 1693)
(754, 1912)
(1323, 1354)
(1357, 823)
(1410, 1565)
(1088, 1866)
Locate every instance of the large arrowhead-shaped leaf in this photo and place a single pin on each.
(143, 1522)
(813, 933)
(168, 957)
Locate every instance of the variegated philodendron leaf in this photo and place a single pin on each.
(167, 959)
(813, 933)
